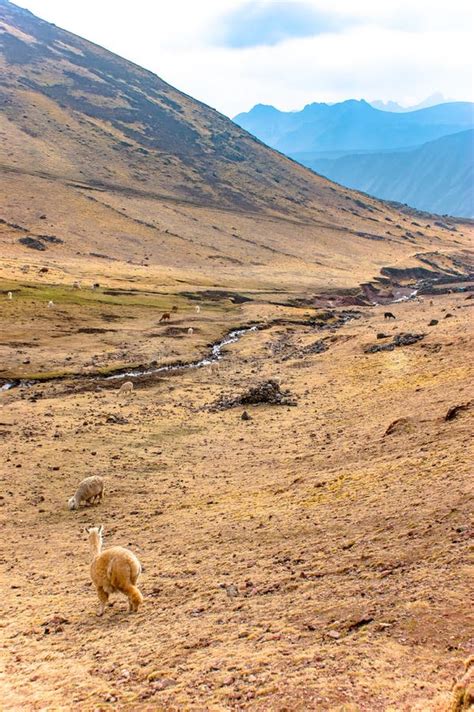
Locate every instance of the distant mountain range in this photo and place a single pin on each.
(431, 100)
(353, 125)
(340, 140)
(437, 177)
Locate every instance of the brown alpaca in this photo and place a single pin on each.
(112, 570)
(166, 316)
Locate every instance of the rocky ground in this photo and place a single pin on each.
(312, 555)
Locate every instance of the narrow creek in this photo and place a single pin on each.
(214, 355)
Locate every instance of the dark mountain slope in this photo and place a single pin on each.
(438, 177)
(96, 116)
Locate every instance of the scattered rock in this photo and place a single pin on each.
(268, 392)
(231, 589)
(318, 347)
(400, 425)
(116, 419)
(55, 625)
(245, 416)
(32, 243)
(381, 335)
(398, 340)
(448, 315)
(359, 623)
(433, 322)
(407, 339)
(454, 411)
(160, 683)
(163, 684)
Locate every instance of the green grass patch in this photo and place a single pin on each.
(63, 294)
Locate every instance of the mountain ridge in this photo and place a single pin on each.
(106, 158)
(437, 176)
(353, 125)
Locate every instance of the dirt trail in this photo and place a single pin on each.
(301, 559)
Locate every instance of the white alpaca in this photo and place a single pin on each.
(90, 490)
(198, 309)
(50, 304)
(10, 296)
(190, 331)
(215, 366)
(126, 388)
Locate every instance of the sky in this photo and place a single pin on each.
(233, 54)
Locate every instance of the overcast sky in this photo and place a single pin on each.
(233, 54)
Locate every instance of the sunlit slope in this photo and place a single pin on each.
(101, 159)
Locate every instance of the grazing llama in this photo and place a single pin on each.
(190, 331)
(165, 317)
(112, 570)
(50, 304)
(10, 296)
(389, 315)
(198, 309)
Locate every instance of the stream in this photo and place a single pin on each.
(215, 355)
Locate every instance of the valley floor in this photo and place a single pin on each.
(304, 559)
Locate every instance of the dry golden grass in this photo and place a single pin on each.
(348, 549)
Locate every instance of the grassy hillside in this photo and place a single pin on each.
(103, 161)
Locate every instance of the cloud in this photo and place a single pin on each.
(269, 23)
(402, 51)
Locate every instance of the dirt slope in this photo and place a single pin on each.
(303, 559)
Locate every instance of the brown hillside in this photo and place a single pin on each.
(109, 159)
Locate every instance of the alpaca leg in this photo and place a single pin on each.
(134, 598)
(103, 598)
